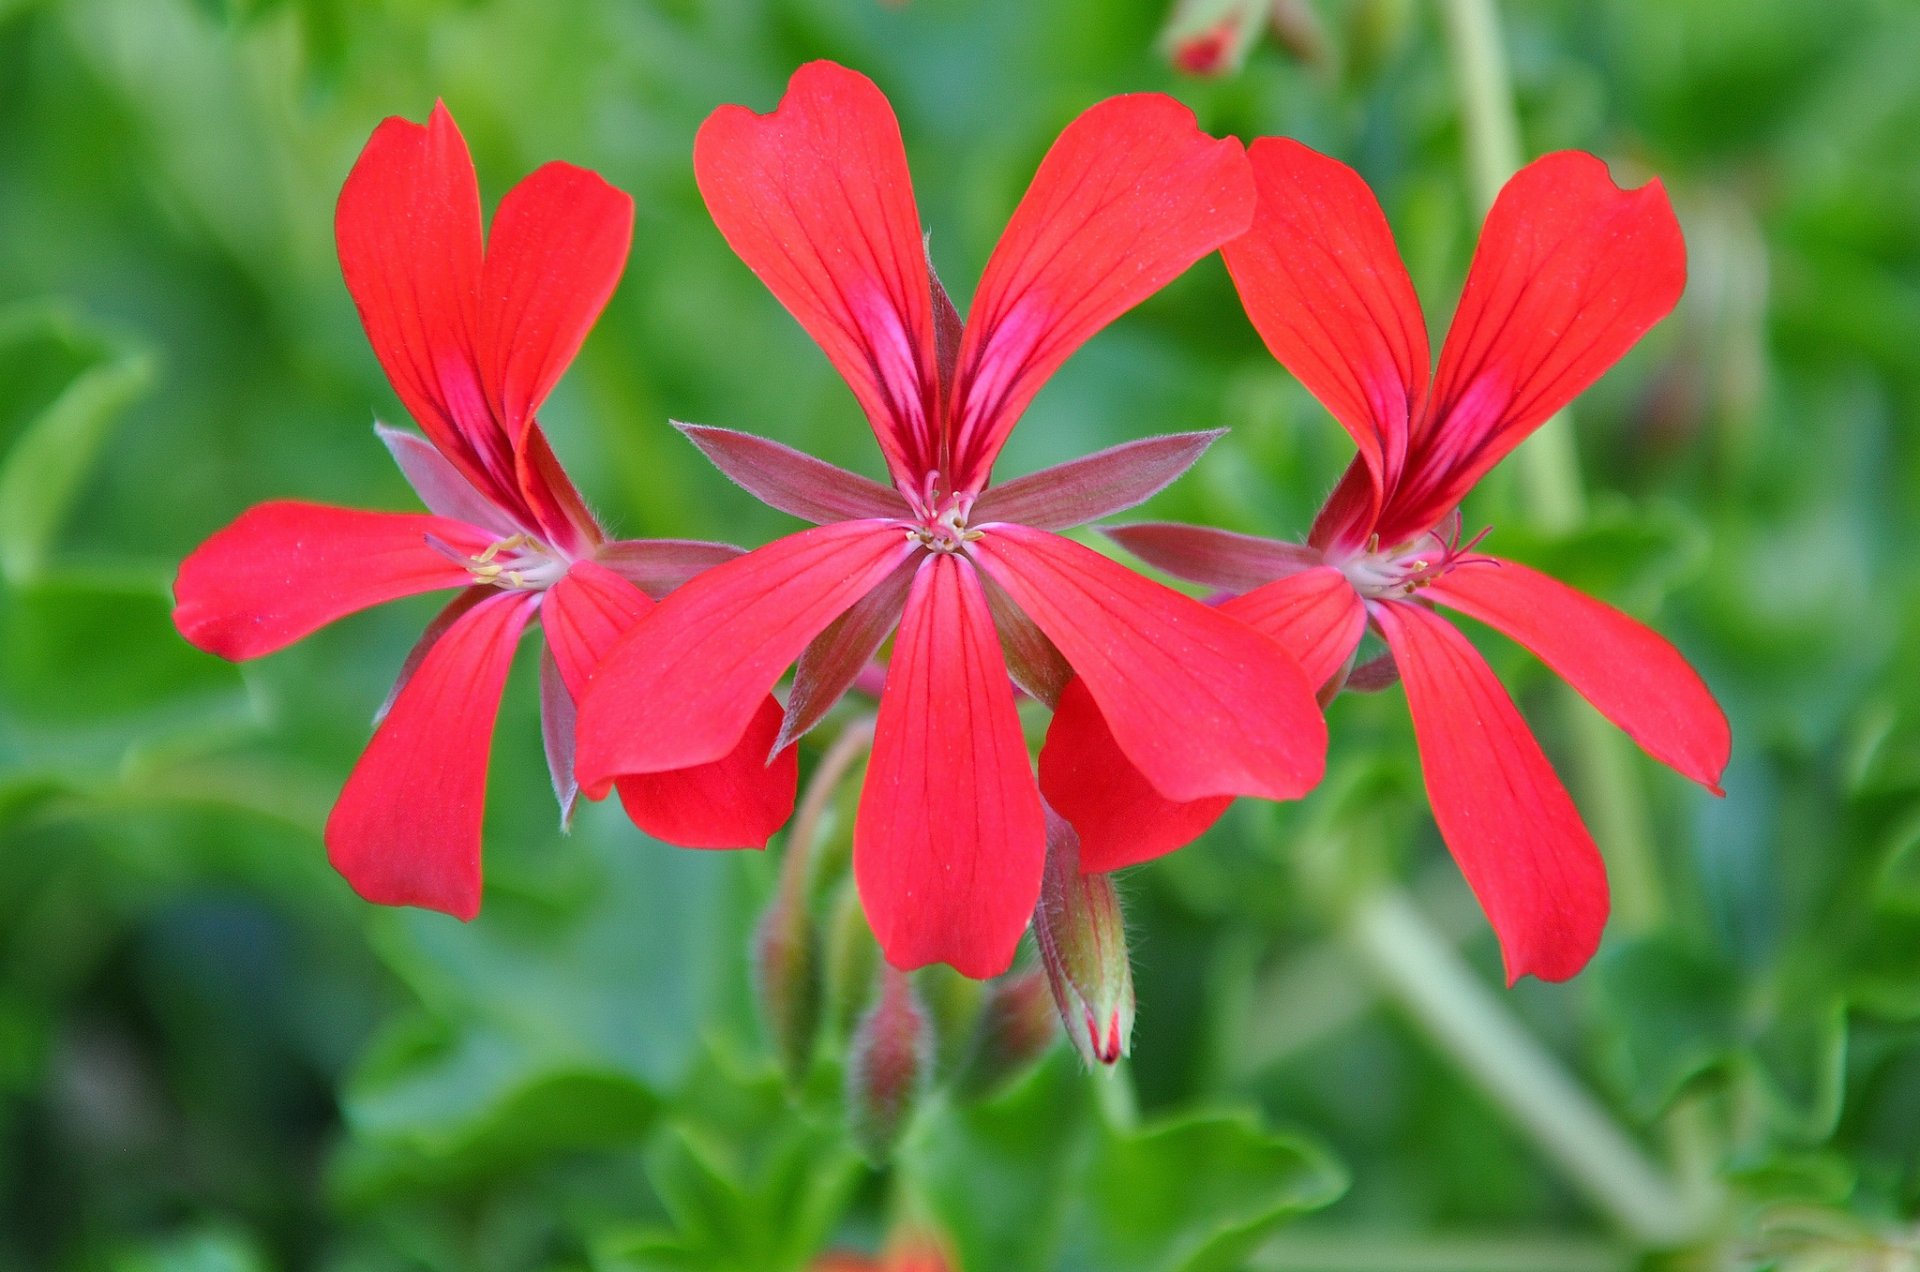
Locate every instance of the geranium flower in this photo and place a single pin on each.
(1570, 271)
(473, 336)
(950, 840)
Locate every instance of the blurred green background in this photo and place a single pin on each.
(213, 1056)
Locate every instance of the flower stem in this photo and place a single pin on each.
(1477, 1031)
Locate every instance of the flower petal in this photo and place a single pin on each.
(1035, 663)
(1504, 814)
(1201, 704)
(556, 734)
(1570, 272)
(735, 801)
(285, 569)
(1130, 195)
(830, 665)
(408, 230)
(1214, 558)
(1121, 819)
(793, 481)
(1096, 485)
(681, 688)
(442, 487)
(817, 200)
(950, 840)
(406, 830)
(1624, 668)
(657, 566)
(1324, 286)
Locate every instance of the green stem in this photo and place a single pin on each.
(797, 867)
(1549, 464)
(1478, 1032)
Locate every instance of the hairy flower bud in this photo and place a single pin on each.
(888, 1066)
(1083, 947)
(1017, 1024)
(1210, 37)
(787, 975)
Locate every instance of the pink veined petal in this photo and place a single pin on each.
(285, 569)
(408, 230)
(436, 628)
(1316, 616)
(1624, 668)
(1096, 485)
(555, 252)
(657, 566)
(406, 830)
(950, 840)
(830, 665)
(817, 200)
(735, 801)
(1570, 272)
(1213, 558)
(1121, 819)
(556, 734)
(1323, 283)
(1130, 195)
(1351, 511)
(681, 688)
(442, 487)
(793, 481)
(1504, 814)
(1202, 704)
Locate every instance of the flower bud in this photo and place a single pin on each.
(1083, 947)
(888, 1065)
(1210, 37)
(849, 957)
(1017, 1024)
(786, 967)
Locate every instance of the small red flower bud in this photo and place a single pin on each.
(1015, 1028)
(1083, 946)
(888, 1065)
(1208, 52)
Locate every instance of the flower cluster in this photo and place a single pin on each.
(662, 658)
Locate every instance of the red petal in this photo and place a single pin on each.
(831, 664)
(1215, 558)
(1203, 705)
(408, 230)
(1095, 486)
(555, 252)
(1130, 195)
(562, 515)
(817, 200)
(681, 688)
(1035, 663)
(1120, 817)
(1316, 616)
(285, 569)
(950, 840)
(657, 566)
(793, 481)
(735, 801)
(406, 830)
(1570, 272)
(1624, 668)
(1504, 815)
(1323, 283)
(436, 628)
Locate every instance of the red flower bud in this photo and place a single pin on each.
(1083, 946)
(1015, 1028)
(888, 1066)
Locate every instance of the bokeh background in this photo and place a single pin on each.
(213, 1056)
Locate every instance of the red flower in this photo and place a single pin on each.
(1570, 272)
(473, 337)
(950, 840)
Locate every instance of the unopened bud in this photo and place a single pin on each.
(1210, 37)
(917, 1248)
(1083, 947)
(786, 967)
(888, 1066)
(1017, 1023)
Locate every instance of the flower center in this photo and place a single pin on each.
(946, 530)
(1404, 570)
(518, 563)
